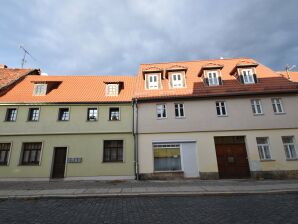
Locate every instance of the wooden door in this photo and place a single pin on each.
(59, 162)
(232, 161)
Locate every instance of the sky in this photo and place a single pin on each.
(112, 37)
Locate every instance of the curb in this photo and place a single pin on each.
(149, 194)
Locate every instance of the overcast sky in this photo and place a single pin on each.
(88, 37)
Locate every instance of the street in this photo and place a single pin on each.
(266, 208)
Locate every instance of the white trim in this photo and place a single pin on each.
(251, 75)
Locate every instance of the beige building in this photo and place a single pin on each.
(230, 118)
(71, 127)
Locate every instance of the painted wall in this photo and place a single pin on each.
(206, 154)
(48, 121)
(200, 115)
(89, 147)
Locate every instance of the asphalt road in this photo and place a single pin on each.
(269, 208)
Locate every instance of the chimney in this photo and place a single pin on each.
(3, 66)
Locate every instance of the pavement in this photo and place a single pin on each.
(79, 189)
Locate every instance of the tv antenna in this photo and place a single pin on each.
(25, 54)
(289, 68)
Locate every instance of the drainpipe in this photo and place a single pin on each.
(135, 135)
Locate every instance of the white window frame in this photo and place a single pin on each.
(88, 118)
(178, 83)
(179, 110)
(275, 102)
(255, 104)
(40, 89)
(164, 107)
(261, 149)
(221, 105)
(112, 89)
(214, 79)
(248, 76)
(288, 148)
(153, 84)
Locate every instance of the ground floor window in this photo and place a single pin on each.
(113, 151)
(263, 148)
(167, 157)
(31, 153)
(289, 147)
(4, 153)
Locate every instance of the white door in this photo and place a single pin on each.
(189, 160)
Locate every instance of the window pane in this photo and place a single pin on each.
(114, 114)
(167, 159)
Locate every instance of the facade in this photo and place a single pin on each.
(230, 118)
(71, 127)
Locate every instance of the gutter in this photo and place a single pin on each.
(135, 135)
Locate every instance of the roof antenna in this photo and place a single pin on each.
(289, 68)
(24, 57)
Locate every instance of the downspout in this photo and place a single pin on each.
(135, 135)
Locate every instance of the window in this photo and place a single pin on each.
(113, 151)
(277, 106)
(256, 107)
(177, 80)
(63, 114)
(221, 109)
(112, 89)
(213, 79)
(248, 77)
(179, 110)
(263, 148)
(92, 114)
(4, 153)
(11, 114)
(40, 89)
(167, 157)
(114, 114)
(31, 153)
(153, 81)
(161, 111)
(289, 147)
(33, 114)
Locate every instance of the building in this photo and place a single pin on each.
(227, 118)
(71, 127)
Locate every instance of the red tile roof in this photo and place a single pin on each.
(71, 89)
(269, 81)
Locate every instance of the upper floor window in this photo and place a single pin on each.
(112, 89)
(31, 153)
(213, 78)
(4, 153)
(277, 105)
(179, 110)
(263, 148)
(161, 111)
(40, 89)
(256, 107)
(289, 147)
(221, 109)
(152, 81)
(63, 114)
(92, 114)
(33, 114)
(114, 114)
(177, 80)
(248, 77)
(11, 114)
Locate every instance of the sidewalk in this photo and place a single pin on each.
(77, 189)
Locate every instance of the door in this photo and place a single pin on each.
(232, 161)
(189, 160)
(59, 162)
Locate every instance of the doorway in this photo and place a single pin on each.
(59, 162)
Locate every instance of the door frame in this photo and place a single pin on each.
(53, 160)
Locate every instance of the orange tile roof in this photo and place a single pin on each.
(71, 89)
(269, 81)
(10, 75)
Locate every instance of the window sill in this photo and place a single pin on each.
(9, 121)
(91, 120)
(258, 115)
(114, 120)
(32, 121)
(112, 161)
(180, 117)
(161, 118)
(222, 115)
(282, 113)
(294, 159)
(62, 120)
(29, 165)
(169, 171)
(267, 160)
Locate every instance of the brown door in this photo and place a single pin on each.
(232, 161)
(59, 162)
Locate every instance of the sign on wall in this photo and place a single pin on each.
(74, 160)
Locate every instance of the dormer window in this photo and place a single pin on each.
(40, 89)
(248, 77)
(213, 78)
(112, 89)
(152, 81)
(177, 80)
